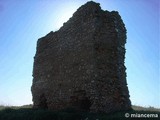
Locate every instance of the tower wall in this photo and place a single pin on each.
(82, 64)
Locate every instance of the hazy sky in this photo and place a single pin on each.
(22, 22)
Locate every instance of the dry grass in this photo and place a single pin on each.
(140, 108)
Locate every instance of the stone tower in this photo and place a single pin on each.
(82, 64)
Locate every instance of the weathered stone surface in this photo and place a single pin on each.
(82, 64)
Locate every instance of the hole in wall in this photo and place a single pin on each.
(80, 101)
(43, 102)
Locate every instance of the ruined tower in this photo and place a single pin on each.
(82, 64)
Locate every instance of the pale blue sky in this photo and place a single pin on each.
(22, 22)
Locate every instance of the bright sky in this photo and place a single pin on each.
(22, 22)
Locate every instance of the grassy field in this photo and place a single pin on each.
(27, 113)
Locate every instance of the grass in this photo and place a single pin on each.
(140, 108)
(27, 113)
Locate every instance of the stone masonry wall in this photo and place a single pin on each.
(82, 64)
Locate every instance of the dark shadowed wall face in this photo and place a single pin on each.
(82, 64)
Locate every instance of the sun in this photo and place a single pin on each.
(64, 15)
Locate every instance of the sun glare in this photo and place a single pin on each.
(64, 15)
